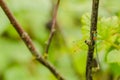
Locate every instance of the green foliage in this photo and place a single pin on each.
(107, 38)
(113, 57)
(68, 50)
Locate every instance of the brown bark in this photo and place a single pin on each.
(93, 32)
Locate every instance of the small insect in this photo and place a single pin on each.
(95, 62)
(94, 35)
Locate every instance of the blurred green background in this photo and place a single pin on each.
(68, 51)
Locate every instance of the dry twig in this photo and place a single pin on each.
(27, 40)
(52, 29)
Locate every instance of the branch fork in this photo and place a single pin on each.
(28, 42)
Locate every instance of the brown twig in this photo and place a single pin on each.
(27, 40)
(93, 32)
(52, 28)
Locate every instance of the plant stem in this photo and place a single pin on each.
(27, 40)
(93, 31)
(52, 28)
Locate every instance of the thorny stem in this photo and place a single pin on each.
(27, 40)
(52, 28)
(93, 31)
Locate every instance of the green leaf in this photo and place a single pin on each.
(115, 68)
(113, 56)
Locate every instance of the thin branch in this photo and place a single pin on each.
(93, 32)
(52, 28)
(27, 40)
